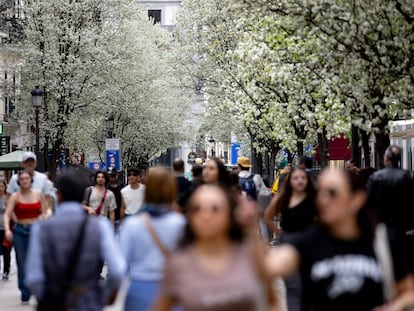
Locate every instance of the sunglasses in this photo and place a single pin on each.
(133, 174)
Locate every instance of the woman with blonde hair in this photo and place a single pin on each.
(148, 237)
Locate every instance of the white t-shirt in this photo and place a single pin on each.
(133, 198)
(40, 182)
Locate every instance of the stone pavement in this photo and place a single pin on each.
(9, 293)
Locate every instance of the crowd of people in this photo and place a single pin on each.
(346, 238)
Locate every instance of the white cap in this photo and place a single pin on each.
(28, 155)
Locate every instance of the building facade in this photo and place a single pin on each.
(162, 11)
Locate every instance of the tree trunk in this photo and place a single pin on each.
(55, 156)
(266, 168)
(356, 154)
(382, 141)
(299, 145)
(272, 164)
(323, 148)
(366, 148)
(259, 163)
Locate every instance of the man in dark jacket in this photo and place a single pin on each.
(389, 194)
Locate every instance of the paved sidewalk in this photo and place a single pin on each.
(9, 293)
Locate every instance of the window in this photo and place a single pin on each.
(155, 16)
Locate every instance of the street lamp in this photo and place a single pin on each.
(37, 97)
(110, 125)
(212, 145)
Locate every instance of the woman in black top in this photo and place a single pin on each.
(339, 268)
(294, 205)
(296, 210)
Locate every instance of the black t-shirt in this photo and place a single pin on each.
(117, 194)
(342, 274)
(299, 217)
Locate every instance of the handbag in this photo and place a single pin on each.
(55, 296)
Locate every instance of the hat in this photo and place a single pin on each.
(112, 170)
(28, 155)
(244, 162)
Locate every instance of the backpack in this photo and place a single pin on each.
(248, 186)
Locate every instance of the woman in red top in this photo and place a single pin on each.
(27, 206)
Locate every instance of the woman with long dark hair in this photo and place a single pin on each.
(215, 172)
(341, 265)
(295, 208)
(294, 205)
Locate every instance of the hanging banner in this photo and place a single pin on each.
(235, 153)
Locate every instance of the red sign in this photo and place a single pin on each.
(76, 157)
(338, 149)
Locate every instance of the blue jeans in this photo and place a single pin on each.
(21, 245)
(142, 295)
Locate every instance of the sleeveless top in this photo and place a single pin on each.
(28, 210)
(299, 217)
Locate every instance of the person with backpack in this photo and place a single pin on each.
(249, 182)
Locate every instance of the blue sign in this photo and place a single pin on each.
(96, 166)
(113, 159)
(235, 153)
(113, 153)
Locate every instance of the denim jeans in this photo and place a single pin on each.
(21, 245)
(142, 295)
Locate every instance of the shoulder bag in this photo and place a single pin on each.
(98, 210)
(147, 222)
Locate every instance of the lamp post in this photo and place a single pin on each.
(110, 126)
(212, 145)
(37, 97)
